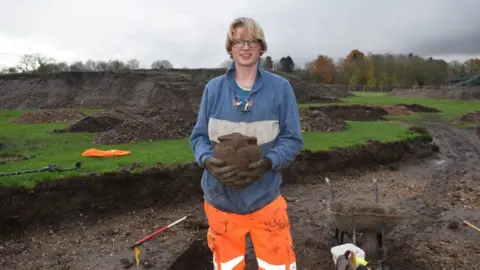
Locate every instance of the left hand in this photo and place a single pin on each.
(256, 170)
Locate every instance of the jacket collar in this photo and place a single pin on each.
(258, 79)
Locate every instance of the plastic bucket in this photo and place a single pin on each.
(338, 251)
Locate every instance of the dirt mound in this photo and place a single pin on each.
(473, 117)
(238, 150)
(443, 93)
(397, 110)
(317, 120)
(132, 124)
(94, 124)
(48, 116)
(141, 88)
(352, 112)
(419, 108)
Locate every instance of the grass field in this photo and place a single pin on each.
(65, 149)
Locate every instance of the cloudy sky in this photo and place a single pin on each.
(192, 33)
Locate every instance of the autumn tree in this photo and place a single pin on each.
(324, 67)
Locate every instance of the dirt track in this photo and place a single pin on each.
(104, 220)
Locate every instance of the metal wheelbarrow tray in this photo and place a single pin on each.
(372, 220)
(360, 219)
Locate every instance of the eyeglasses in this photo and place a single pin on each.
(251, 43)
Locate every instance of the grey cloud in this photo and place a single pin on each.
(192, 33)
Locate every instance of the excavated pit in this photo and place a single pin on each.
(88, 222)
(352, 112)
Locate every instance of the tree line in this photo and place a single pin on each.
(37, 63)
(356, 68)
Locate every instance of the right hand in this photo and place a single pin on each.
(226, 174)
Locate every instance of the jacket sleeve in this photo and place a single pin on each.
(199, 139)
(290, 141)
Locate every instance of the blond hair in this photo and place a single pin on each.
(251, 27)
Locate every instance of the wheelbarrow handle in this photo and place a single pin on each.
(375, 189)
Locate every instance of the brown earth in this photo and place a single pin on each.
(352, 112)
(473, 117)
(143, 88)
(397, 110)
(107, 213)
(48, 116)
(444, 93)
(317, 120)
(238, 150)
(132, 124)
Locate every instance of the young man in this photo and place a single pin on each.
(254, 102)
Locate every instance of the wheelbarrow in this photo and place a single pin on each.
(371, 220)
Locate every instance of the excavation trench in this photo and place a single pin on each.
(429, 191)
(85, 198)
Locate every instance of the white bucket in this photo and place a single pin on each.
(338, 251)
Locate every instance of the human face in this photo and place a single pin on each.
(245, 49)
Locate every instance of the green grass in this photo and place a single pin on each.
(64, 149)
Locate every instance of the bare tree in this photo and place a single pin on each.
(133, 64)
(161, 64)
(35, 63)
(116, 65)
(226, 64)
(77, 66)
(90, 65)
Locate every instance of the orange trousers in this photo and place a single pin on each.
(269, 229)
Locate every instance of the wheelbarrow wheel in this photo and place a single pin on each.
(370, 245)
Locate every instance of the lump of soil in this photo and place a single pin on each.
(316, 120)
(353, 112)
(419, 108)
(363, 207)
(48, 116)
(473, 117)
(238, 149)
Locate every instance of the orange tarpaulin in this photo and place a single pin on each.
(94, 152)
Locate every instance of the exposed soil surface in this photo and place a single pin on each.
(48, 116)
(131, 124)
(444, 93)
(473, 117)
(238, 150)
(352, 112)
(419, 108)
(105, 214)
(142, 88)
(317, 120)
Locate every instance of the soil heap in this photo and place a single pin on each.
(48, 116)
(316, 120)
(352, 112)
(473, 117)
(237, 149)
(131, 124)
(139, 88)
